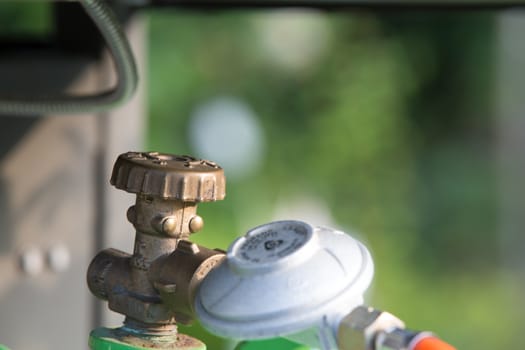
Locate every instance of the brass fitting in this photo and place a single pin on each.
(154, 287)
(357, 330)
(366, 328)
(177, 287)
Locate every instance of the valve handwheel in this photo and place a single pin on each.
(167, 176)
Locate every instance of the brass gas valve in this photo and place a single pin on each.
(154, 287)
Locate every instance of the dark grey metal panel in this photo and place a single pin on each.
(54, 192)
(351, 4)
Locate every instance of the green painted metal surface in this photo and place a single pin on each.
(112, 339)
(273, 344)
(3, 347)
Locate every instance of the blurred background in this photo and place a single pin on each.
(383, 124)
(403, 128)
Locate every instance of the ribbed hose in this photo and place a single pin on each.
(106, 21)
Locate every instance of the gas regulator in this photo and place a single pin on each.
(282, 284)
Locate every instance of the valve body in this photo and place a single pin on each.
(154, 287)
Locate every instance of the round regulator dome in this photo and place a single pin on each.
(282, 278)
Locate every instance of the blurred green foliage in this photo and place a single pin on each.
(25, 18)
(391, 126)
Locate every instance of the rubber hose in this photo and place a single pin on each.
(432, 343)
(118, 45)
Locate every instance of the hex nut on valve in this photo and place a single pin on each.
(358, 329)
(196, 224)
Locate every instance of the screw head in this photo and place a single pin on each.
(196, 224)
(166, 225)
(169, 225)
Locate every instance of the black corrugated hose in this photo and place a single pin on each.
(118, 45)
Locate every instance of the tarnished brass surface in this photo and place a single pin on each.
(163, 217)
(178, 286)
(155, 286)
(169, 176)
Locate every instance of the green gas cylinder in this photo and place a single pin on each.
(273, 344)
(120, 339)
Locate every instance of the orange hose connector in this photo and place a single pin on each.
(432, 343)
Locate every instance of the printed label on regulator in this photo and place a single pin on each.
(273, 242)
